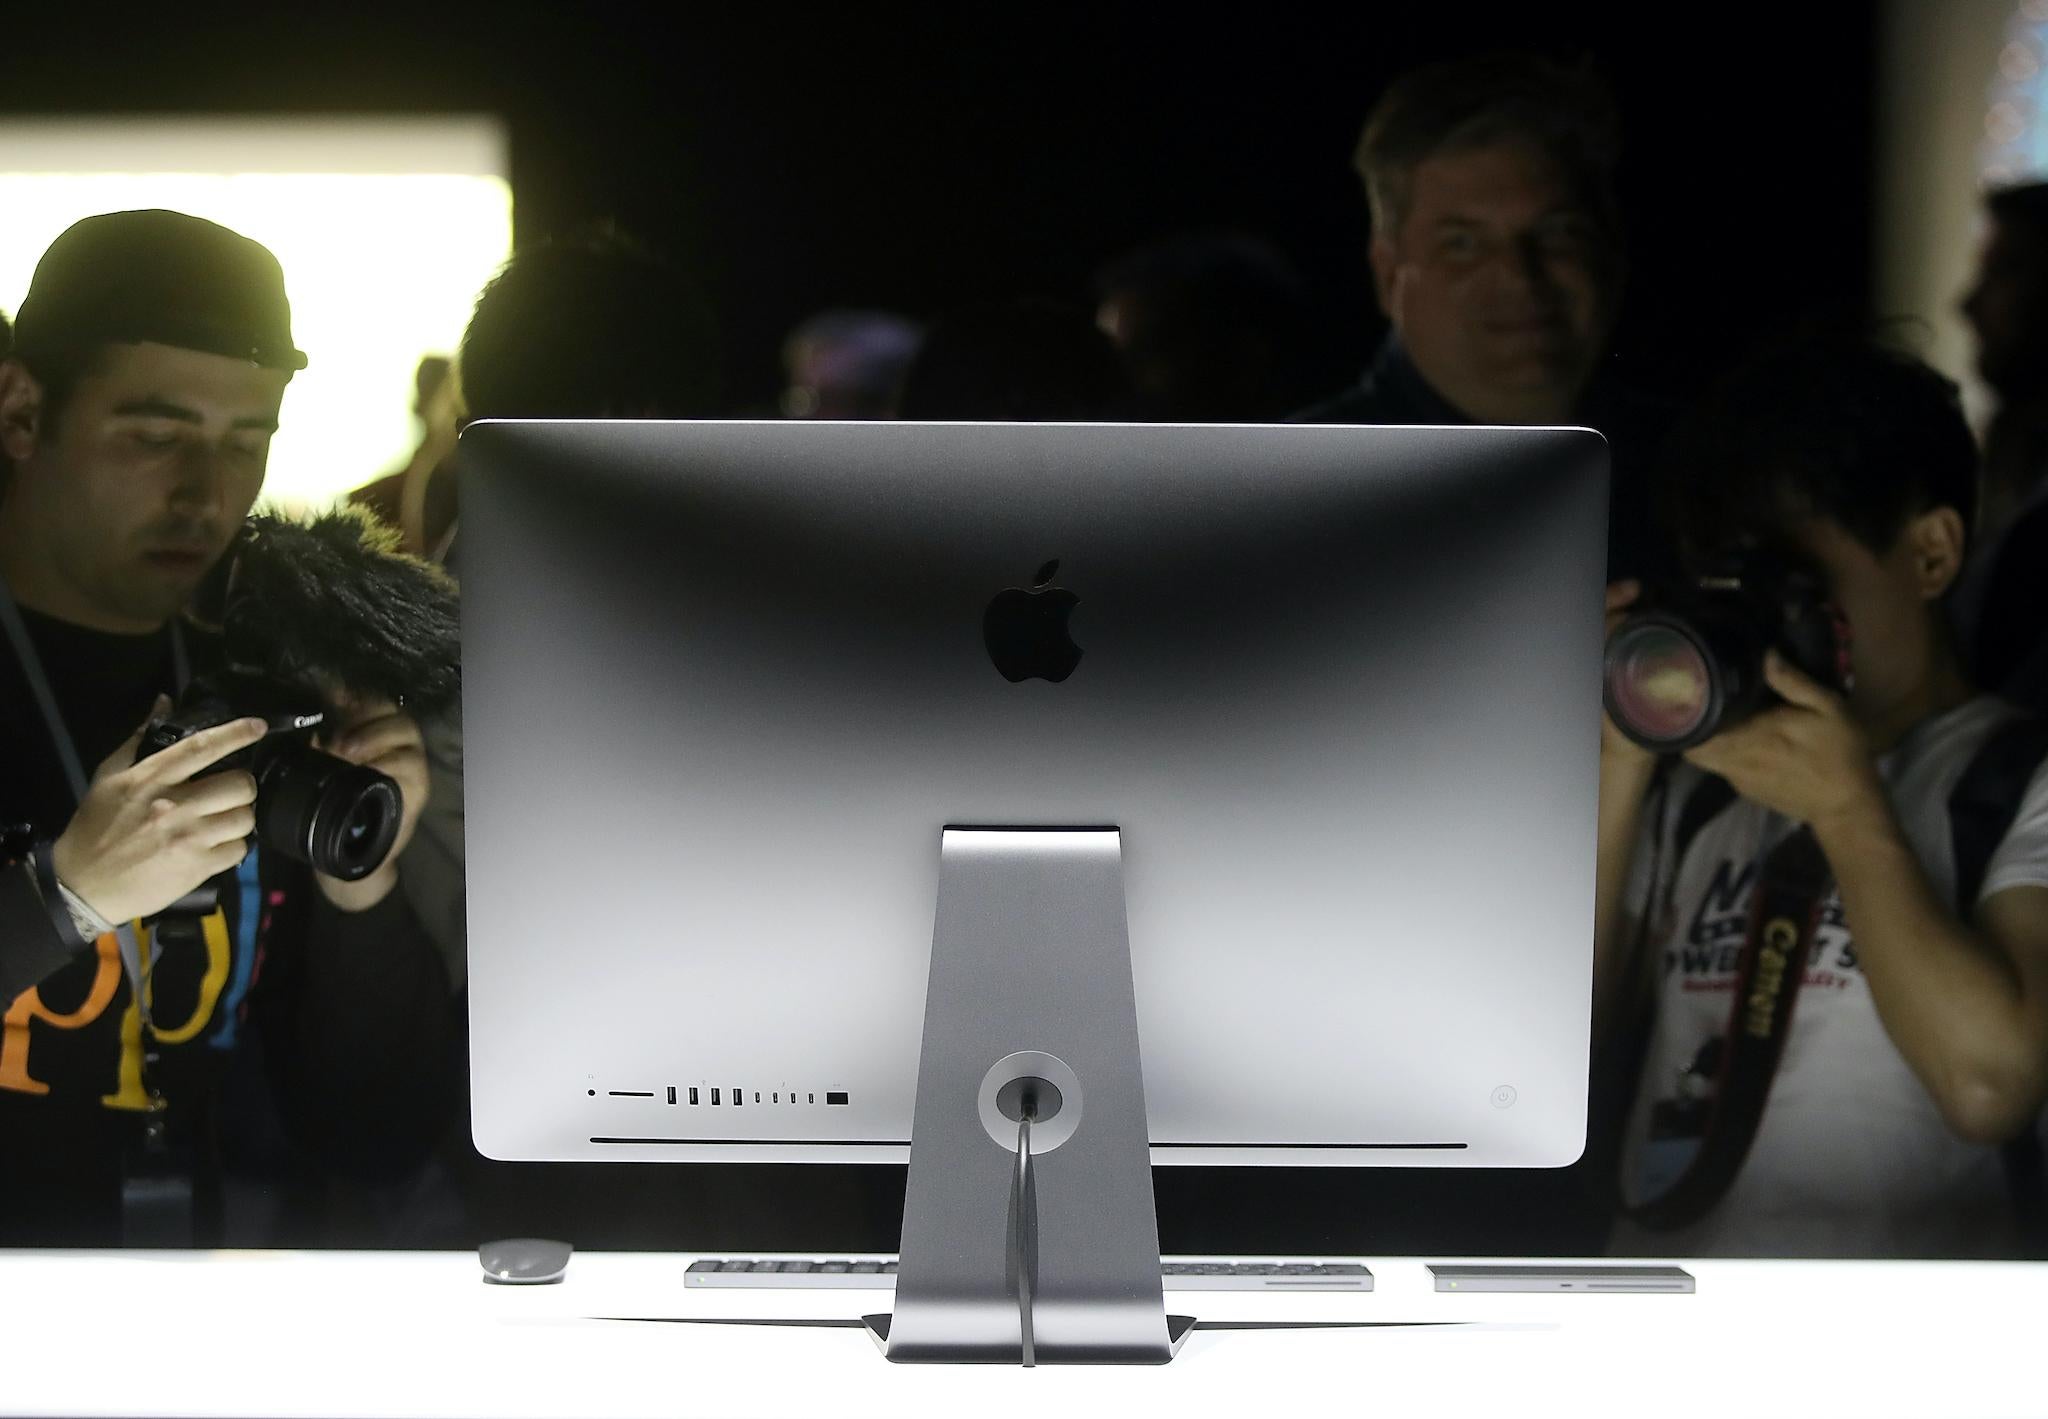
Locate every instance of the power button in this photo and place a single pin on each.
(1504, 1097)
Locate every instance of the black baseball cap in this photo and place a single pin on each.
(163, 277)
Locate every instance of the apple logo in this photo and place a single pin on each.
(1026, 631)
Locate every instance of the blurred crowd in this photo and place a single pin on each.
(1896, 807)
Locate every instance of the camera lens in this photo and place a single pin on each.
(1660, 684)
(341, 818)
(355, 825)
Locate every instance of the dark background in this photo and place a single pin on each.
(798, 158)
(922, 158)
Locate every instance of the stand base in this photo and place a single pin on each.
(1043, 1246)
(877, 1327)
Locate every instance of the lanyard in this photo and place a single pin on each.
(45, 697)
(157, 1189)
(74, 769)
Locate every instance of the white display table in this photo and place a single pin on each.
(419, 1333)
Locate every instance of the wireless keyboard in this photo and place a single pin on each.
(1177, 1275)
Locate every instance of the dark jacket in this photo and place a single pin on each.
(1393, 391)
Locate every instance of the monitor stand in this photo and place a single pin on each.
(1030, 1235)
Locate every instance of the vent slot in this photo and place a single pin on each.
(733, 1096)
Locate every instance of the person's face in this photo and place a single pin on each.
(2007, 307)
(1889, 600)
(121, 504)
(1499, 282)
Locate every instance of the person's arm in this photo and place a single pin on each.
(1966, 1004)
(31, 949)
(431, 874)
(1624, 787)
(1626, 771)
(146, 833)
(376, 734)
(367, 1052)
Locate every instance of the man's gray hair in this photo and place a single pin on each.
(1482, 101)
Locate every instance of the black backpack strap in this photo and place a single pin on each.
(1987, 797)
(1980, 813)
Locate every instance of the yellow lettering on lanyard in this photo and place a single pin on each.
(129, 1092)
(28, 1007)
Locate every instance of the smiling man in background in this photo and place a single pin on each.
(1497, 259)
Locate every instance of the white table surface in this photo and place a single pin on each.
(420, 1333)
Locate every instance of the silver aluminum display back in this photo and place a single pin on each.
(725, 685)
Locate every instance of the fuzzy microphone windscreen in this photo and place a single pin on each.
(331, 600)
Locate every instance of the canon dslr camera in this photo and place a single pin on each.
(339, 817)
(1689, 661)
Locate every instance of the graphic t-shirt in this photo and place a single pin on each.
(73, 1082)
(1851, 1157)
(294, 1043)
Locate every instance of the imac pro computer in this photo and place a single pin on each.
(885, 792)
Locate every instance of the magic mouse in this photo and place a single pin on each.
(523, 1261)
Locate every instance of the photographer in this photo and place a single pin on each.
(188, 1022)
(1833, 907)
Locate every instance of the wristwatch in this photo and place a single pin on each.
(78, 925)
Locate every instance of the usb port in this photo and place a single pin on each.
(693, 1094)
(714, 1096)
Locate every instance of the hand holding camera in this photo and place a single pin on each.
(1743, 672)
(382, 740)
(297, 742)
(1807, 759)
(339, 817)
(148, 832)
(1688, 662)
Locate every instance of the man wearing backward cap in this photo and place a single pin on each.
(195, 1031)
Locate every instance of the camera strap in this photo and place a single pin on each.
(1689, 1175)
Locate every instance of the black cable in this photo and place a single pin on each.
(1023, 1234)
